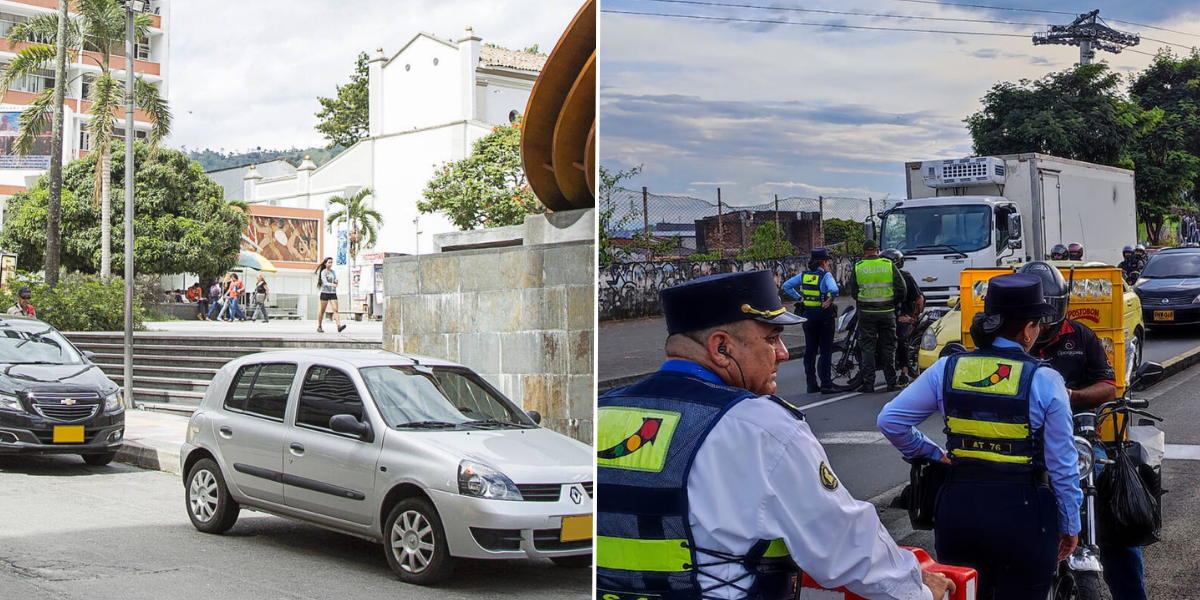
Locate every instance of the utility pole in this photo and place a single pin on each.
(1090, 33)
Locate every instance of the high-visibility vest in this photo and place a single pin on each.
(810, 288)
(875, 290)
(648, 436)
(986, 398)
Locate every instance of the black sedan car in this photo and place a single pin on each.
(1170, 287)
(53, 400)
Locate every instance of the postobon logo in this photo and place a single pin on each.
(634, 438)
(1084, 314)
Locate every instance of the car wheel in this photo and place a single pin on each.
(209, 505)
(99, 460)
(416, 543)
(573, 562)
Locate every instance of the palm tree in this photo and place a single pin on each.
(364, 223)
(97, 26)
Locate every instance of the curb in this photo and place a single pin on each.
(1180, 363)
(148, 456)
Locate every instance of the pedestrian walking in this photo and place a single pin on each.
(1010, 506)
(327, 280)
(235, 293)
(715, 488)
(818, 289)
(878, 288)
(260, 299)
(216, 298)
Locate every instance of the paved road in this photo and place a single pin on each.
(70, 531)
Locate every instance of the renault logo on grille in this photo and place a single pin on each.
(576, 495)
(67, 401)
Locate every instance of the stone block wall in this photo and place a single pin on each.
(523, 317)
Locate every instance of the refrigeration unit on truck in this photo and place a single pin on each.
(990, 211)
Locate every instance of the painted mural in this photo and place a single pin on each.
(285, 239)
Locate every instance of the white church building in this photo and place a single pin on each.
(428, 103)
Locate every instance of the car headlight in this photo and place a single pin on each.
(1087, 458)
(8, 402)
(482, 481)
(113, 402)
(929, 340)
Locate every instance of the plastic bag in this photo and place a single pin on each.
(1128, 512)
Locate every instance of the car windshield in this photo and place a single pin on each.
(937, 229)
(1180, 265)
(420, 396)
(35, 343)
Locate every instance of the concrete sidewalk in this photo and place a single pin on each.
(153, 439)
(632, 349)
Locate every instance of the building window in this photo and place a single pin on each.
(34, 82)
(143, 49)
(88, 80)
(8, 21)
(119, 134)
(85, 140)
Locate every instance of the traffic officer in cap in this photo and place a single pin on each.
(818, 289)
(711, 487)
(1010, 506)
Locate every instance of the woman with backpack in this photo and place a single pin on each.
(327, 281)
(216, 294)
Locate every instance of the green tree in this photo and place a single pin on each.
(345, 118)
(362, 220)
(1077, 114)
(97, 26)
(844, 237)
(767, 241)
(609, 182)
(486, 189)
(1166, 171)
(183, 223)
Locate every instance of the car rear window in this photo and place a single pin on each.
(327, 392)
(262, 390)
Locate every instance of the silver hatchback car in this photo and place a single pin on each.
(420, 454)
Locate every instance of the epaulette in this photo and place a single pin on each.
(788, 406)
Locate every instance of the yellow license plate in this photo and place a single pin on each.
(1164, 315)
(68, 434)
(576, 528)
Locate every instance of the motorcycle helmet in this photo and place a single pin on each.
(1058, 252)
(1127, 251)
(1140, 250)
(1075, 251)
(1057, 294)
(894, 255)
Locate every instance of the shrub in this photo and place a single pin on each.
(79, 303)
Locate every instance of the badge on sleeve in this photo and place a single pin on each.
(828, 480)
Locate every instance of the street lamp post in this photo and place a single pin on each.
(131, 7)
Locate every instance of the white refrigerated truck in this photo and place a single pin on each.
(990, 211)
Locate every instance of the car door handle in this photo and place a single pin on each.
(226, 432)
(296, 449)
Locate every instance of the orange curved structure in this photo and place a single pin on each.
(558, 141)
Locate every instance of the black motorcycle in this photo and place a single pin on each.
(847, 356)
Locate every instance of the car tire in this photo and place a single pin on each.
(210, 506)
(580, 561)
(415, 543)
(99, 460)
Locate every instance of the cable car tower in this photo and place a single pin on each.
(1089, 35)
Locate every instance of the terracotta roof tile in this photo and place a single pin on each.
(490, 56)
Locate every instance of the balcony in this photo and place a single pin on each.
(53, 5)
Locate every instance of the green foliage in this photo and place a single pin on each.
(714, 255)
(528, 50)
(486, 189)
(364, 221)
(77, 303)
(214, 160)
(1077, 114)
(609, 181)
(345, 119)
(844, 237)
(182, 223)
(768, 241)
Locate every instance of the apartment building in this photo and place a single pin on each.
(150, 62)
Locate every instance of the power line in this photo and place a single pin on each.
(805, 24)
(853, 14)
(1044, 11)
(1149, 39)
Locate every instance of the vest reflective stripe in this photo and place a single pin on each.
(992, 456)
(625, 554)
(875, 289)
(986, 399)
(988, 429)
(810, 289)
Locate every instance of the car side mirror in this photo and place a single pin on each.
(1147, 375)
(351, 426)
(88, 354)
(535, 415)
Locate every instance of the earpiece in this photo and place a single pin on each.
(722, 350)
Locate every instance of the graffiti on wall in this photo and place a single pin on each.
(630, 290)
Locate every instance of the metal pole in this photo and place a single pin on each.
(646, 221)
(1085, 52)
(129, 133)
(778, 230)
(720, 228)
(821, 216)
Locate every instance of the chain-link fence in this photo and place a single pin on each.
(638, 226)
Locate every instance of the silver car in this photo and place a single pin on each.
(420, 454)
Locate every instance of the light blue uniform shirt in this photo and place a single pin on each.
(829, 287)
(1049, 410)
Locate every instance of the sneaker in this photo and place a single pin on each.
(828, 390)
(866, 388)
(340, 328)
(812, 389)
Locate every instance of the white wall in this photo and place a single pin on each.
(502, 96)
(423, 95)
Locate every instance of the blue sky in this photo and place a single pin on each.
(759, 109)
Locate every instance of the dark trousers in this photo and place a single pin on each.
(818, 346)
(877, 332)
(903, 330)
(1123, 572)
(1007, 532)
(202, 305)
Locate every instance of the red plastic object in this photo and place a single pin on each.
(964, 581)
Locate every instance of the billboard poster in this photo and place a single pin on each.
(356, 279)
(378, 283)
(343, 247)
(38, 158)
(284, 239)
(8, 269)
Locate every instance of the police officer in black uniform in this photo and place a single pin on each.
(907, 313)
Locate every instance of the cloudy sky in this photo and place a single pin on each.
(247, 73)
(767, 108)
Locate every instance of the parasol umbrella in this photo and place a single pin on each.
(254, 260)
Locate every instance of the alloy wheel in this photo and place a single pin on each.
(202, 495)
(412, 541)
